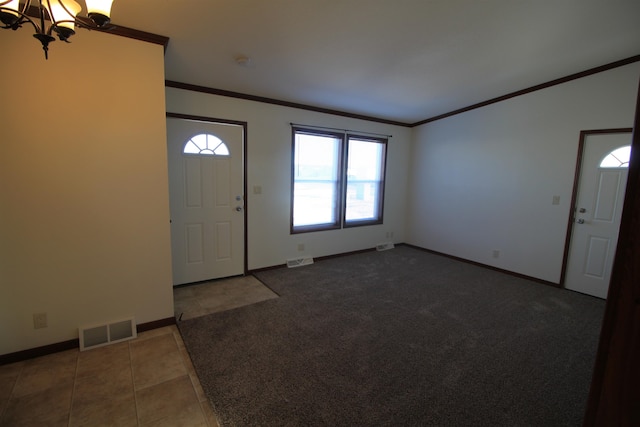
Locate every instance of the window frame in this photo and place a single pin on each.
(383, 174)
(340, 201)
(338, 186)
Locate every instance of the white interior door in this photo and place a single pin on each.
(597, 214)
(206, 186)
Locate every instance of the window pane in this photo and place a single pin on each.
(316, 179)
(618, 158)
(364, 180)
(206, 144)
(221, 150)
(364, 160)
(362, 201)
(191, 148)
(316, 157)
(314, 203)
(200, 141)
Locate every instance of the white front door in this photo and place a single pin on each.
(598, 209)
(206, 194)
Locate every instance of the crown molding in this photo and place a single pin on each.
(555, 82)
(221, 92)
(247, 97)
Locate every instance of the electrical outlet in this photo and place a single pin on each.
(300, 247)
(496, 253)
(39, 320)
(555, 200)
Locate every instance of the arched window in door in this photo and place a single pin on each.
(618, 158)
(207, 145)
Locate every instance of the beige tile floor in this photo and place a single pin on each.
(149, 381)
(218, 295)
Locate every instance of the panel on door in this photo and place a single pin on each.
(597, 214)
(206, 185)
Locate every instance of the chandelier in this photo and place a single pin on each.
(61, 14)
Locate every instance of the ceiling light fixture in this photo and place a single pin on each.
(63, 15)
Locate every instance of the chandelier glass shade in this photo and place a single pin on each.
(49, 17)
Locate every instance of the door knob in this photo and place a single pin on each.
(580, 221)
(239, 208)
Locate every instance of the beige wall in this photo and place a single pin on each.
(84, 232)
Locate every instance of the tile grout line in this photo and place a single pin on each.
(13, 388)
(186, 369)
(182, 350)
(133, 385)
(73, 389)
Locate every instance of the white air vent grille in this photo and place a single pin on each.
(299, 262)
(384, 246)
(101, 335)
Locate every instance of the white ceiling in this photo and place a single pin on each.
(401, 60)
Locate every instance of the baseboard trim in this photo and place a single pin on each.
(490, 267)
(156, 324)
(316, 259)
(32, 353)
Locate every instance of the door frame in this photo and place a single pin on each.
(616, 370)
(574, 194)
(244, 125)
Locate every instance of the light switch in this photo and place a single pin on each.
(257, 189)
(556, 200)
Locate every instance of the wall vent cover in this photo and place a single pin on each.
(110, 333)
(299, 262)
(384, 246)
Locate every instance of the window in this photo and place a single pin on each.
(365, 170)
(618, 158)
(316, 180)
(337, 180)
(206, 144)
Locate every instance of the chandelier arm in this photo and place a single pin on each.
(22, 19)
(41, 10)
(86, 23)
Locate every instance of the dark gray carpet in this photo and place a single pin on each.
(402, 338)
